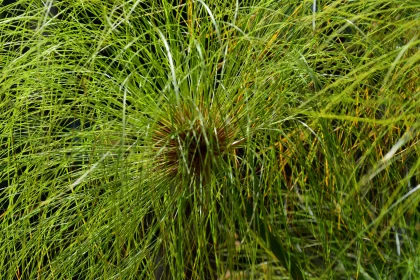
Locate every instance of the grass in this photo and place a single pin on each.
(209, 140)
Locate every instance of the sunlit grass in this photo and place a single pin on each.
(209, 140)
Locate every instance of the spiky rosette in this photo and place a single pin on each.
(192, 139)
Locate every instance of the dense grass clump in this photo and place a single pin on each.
(210, 139)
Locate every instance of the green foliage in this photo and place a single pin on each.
(209, 139)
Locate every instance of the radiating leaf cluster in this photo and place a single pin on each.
(209, 139)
